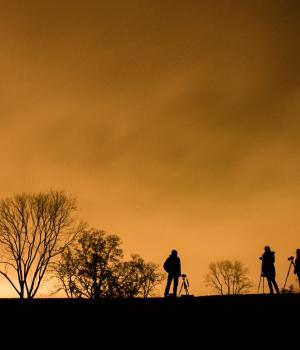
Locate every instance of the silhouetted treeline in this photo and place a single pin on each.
(39, 235)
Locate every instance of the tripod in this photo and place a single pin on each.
(291, 264)
(263, 283)
(184, 285)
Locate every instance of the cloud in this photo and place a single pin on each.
(160, 117)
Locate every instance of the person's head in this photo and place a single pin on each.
(174, 252)
(298, 253)
(267, 249)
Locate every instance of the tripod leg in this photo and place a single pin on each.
(263, 285)
(287, 275)
(259, 284)
(186, 289)
(180, 289)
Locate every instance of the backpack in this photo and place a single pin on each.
(167, 265)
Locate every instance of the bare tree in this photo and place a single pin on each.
(228, 277)
(150, 276)
(92, 267)
(138, 278)
(34, 228)
(87, 268)
(127, 279)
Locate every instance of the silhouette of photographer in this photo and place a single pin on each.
(172, 266)
(297, 265)
(268, 269)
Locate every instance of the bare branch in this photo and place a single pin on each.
(34, 229)
(227, 275)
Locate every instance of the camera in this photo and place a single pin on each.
(260, 258)
(183, 275)
(291, 258)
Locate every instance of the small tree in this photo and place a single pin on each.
(228, 277)
(127, 279)
(87, 268)
(138, 278)
(290, 290)
(92, 268)
(34, 228)
(150, 277)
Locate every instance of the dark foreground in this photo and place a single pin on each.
(231, 322)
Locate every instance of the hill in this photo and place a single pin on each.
(220, 322)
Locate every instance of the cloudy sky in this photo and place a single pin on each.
(174, 123)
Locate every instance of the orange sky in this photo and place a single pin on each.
(175, 124)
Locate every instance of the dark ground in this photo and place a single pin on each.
(213, 322)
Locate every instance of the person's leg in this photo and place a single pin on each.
(275, 285)
(269, 279)
(168, 285)
(175, 285)
(298, 275)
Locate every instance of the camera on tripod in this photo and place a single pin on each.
(291, 259)
(184, 286)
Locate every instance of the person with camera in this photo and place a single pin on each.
(268, 269)
(297, 265)
(172, 266)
